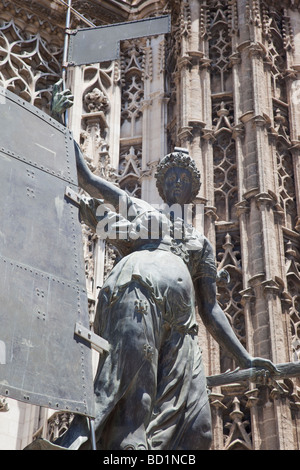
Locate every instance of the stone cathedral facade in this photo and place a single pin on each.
(225, 84)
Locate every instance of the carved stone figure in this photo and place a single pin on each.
(150, 389)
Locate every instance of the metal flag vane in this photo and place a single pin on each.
(102, 43)
(96, 44)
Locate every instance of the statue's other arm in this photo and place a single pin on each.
(218, 325)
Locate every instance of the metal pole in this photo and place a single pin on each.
(64, 74)
(93, 434)
(65, 53)
(76, 13)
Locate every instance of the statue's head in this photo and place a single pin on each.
(177, 178)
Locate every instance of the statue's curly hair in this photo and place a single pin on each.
(182, 160)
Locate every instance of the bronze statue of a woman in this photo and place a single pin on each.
(150, 389)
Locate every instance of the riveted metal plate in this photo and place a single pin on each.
(37, 139)
(101, 44)
(42, 282)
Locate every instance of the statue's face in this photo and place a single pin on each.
(177, 186)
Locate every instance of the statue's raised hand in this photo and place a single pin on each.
(61, 100)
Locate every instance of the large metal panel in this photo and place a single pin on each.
(100, 44)
(42, 281)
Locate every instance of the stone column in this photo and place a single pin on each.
(154, 116)
(293, 98)
(217, 408)
(261, 237)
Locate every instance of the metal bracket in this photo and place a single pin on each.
(71, 31)
(71, 194)
(97, 343)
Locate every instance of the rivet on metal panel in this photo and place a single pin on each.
(30, 193)
(41, 315)
(40, 293)
(30, 173)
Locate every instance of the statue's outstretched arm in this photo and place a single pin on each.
(94, 185)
